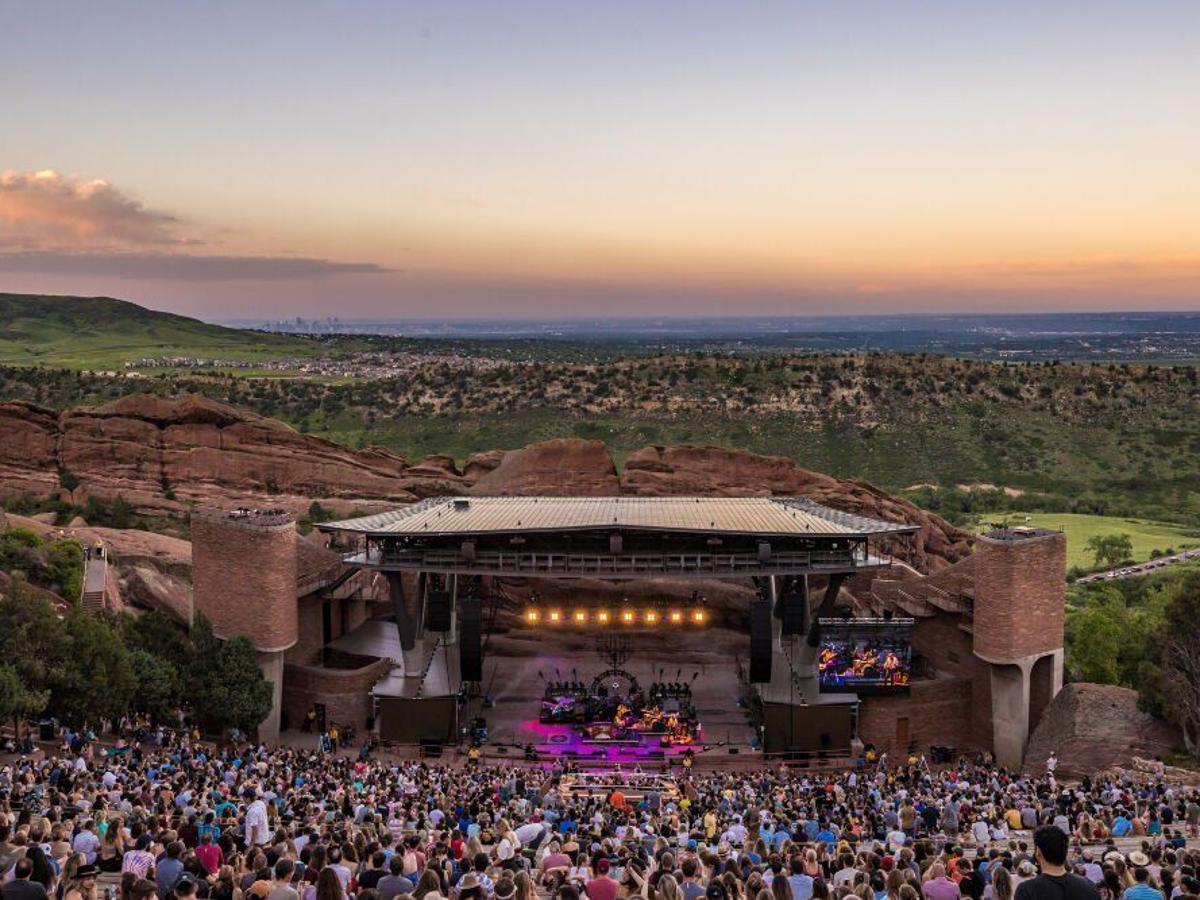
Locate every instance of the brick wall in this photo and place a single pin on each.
(244, 577)
(938, 712)
(1020, 595)
(346, 693)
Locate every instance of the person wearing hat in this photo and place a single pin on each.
(1054, 882)
(1141, 889)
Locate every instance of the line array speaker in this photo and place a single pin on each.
(470, 640)
(795, 612)
(760, 641)
(437, 608)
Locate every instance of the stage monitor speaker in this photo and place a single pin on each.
(470, 640)
(437, 610)
(795, 613)
(760, 641)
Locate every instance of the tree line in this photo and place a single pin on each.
(84, 669)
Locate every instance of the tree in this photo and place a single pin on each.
(93, 679)
(1097, 637)
(1171, 678)
(158, 634)
(159, 691)
(16, 701)
(227, 686)
(31, 635)
(1110, 549)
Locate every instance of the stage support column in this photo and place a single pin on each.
(405, 623)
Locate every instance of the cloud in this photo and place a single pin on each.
(53, 224)
(179, 266)
(39, 209)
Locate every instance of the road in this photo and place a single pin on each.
(1140, 569)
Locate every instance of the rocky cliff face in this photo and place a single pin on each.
(1092, 727)
(159, 453)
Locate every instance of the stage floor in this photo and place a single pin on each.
(512, 663)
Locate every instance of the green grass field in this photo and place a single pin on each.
(102, 333)
(1146, 535)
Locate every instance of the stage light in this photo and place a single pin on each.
(628, 616)
(532, 616)
(602, 617)
(555, 616)
(651, 617)
(676, 617)
(698, 616)
(580, 616)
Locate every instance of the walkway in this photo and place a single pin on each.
(95, 575)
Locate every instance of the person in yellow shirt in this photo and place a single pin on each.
(710, 825)
(1013, 817)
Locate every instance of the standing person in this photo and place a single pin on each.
(257, 828)
(1054, 882)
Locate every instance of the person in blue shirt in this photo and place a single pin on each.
(1121, 826)
(1141, 889)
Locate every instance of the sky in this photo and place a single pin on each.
(528, 159)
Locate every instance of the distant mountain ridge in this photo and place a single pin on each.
(73, 332)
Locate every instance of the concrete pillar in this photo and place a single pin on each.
(1010, 712)
(271, 665)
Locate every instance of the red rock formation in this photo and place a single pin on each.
(559, 467)
(715, 471)
(142, 447)
(1096, 726)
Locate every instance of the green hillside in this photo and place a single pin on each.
(103, 333)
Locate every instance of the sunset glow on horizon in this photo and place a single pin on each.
(562, 159)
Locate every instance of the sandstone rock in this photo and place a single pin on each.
(141, 447)
(46, 518)
(479, 464)
(78, 522)
(1096, 726)
(559, 467)
(717, 471)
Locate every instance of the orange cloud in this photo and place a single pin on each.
(46, 209)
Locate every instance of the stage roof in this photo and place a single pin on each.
(754, 516)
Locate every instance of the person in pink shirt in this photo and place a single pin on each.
(939, 887)
(209, 854)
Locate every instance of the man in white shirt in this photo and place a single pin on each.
(257, 830)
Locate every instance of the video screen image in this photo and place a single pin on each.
(865, 657)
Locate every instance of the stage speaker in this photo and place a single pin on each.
(437, 611)
(795, 612)
(470, 640)
(760, 641)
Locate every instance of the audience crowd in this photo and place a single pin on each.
(186, 820)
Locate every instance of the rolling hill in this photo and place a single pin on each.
(105, 333)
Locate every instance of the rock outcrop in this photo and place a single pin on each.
(162, 454)
(559, 467)
(714, 471)
(158, 453)
(1092, 727)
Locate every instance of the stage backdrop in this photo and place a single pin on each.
(791, 728)
(406, 721)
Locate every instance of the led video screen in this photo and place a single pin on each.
(865, 657)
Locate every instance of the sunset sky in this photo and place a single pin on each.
(581, 158)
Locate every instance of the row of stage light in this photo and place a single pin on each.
(623, 616)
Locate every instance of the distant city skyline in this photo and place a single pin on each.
(559, 160)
